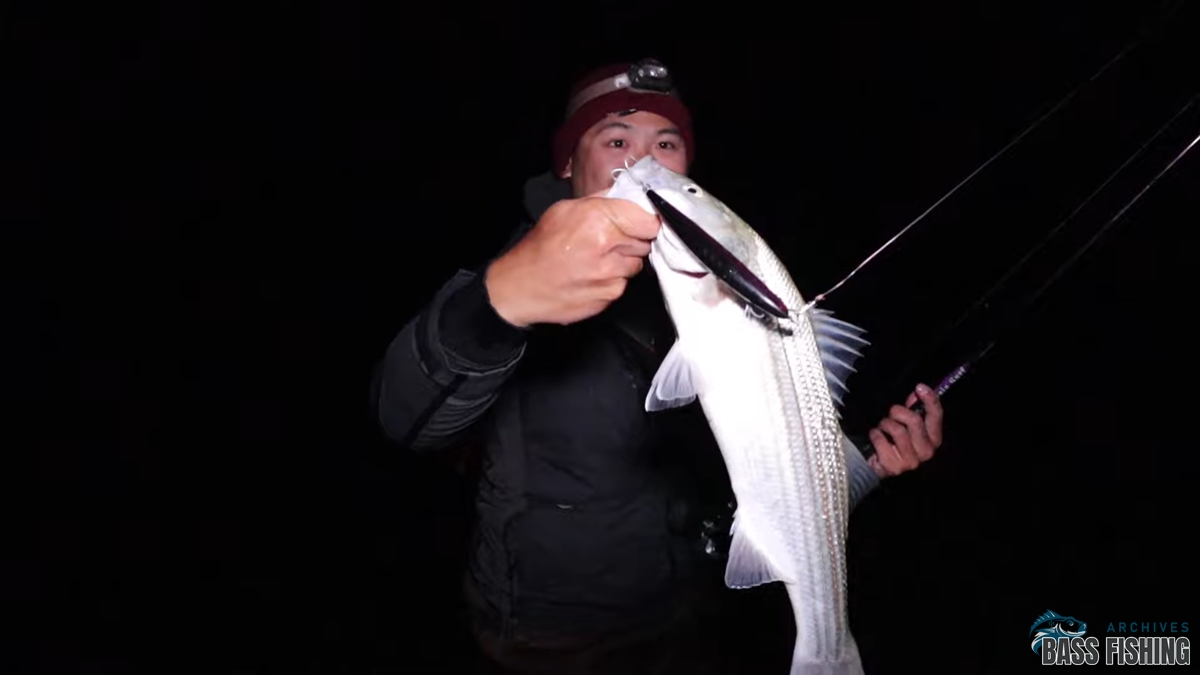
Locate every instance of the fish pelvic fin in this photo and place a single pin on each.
(838, 343)
(677, 382)
(746, 566)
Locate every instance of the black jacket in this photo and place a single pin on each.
(586, 504)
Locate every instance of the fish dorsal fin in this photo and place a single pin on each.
(838, 343)
(1045, 617)
(747, 567)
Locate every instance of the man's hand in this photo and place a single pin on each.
(914, 438)
(575, 261)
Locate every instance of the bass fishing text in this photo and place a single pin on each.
(1063, 641)
(1123, 651)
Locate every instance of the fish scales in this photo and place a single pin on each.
(766, 388)
(822, 461)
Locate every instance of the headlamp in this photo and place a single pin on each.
(646, 76)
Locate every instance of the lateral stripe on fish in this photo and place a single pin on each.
(770, 388)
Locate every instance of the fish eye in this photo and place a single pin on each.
(692, 189)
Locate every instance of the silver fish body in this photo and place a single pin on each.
(768, 388)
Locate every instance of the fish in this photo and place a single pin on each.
(770, 388)
(1054, 625)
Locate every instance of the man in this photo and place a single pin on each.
(584, 557)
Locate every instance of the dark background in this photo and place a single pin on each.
(235, 208)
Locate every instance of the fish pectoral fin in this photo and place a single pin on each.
(747, 567)
(677, 382)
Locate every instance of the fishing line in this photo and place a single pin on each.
(1058, 106)
(983, 301)
(1096, 237)
(716, 542)
(958, 372)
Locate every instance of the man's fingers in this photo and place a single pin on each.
(878, 440)
(627, 216)
(925, 430)
(875, 464)
(897, 431)
(624, 256)
(890, 456)
(902, 441)
(917, 432)
(885, 453)
(909, 418)
(933, 413)
(634, 248)
(913, 436)
(624, 265)
(612, 289)
(913, 422)
(632, 220)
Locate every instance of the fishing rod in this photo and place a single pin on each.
(715, 532)
(984, 301)
(973, 360)
(714, 529)
(729, 269)
(1146, 29)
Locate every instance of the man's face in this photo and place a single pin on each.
(619, 138)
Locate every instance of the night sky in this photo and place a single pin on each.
(237, 207)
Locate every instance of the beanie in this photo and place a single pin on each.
(608, 90)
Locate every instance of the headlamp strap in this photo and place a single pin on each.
(647, 76)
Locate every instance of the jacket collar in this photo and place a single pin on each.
(542, 191)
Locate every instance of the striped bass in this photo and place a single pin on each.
(768, 388)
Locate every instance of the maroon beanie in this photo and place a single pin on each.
(584, 116)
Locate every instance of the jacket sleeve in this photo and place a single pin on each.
(862, 478)
(445, 368)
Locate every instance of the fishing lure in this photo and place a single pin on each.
(719, 260)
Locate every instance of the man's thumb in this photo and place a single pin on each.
(637, 221)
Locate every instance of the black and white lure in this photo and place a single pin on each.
(718, 259)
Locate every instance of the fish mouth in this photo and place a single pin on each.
(695, 275)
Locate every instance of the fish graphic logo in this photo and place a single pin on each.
(1054, 625)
